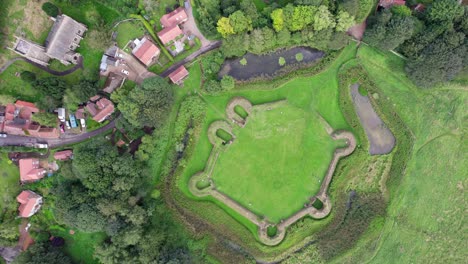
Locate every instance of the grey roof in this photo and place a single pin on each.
(112, 51)
(64, 37)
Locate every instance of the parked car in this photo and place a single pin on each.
(3, 135)
(41, 145)
(125, 72)
(62, 128)
(83, 123)
(120, 55)
(68, 124)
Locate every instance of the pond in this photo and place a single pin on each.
(267, 65)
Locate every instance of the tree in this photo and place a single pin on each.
(28, 76)
(227, 83)
(398, 30)
(235, 45)
(6, 99)
(224, 27)
(50, 9)
(239, 22)
(299, 17)
(148, 104)
(350, 6)
(401, 10)
(250, 10)
(323, 19)
(281, 61)
(444, 10)
(262, 39)
(53, 89)
(344, 21)
(278, 19)
(212, 87)
(283, 37)
(45, 119)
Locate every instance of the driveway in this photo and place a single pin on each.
(13, 140)
(136, 71)
(191, 26)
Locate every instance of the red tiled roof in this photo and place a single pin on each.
(389, 3)
(80, 114)
(63, 155)
(146, 51)
(45, 132)
(30, 203)
(30, 170)
(169, 33)
(14, 129)
(23, 104)
(101, 110)
(174, 18)
(94, 98)
(179, 74)
(10, 112)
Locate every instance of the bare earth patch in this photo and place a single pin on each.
(34, 20)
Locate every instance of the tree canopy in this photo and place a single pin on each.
(148, 104)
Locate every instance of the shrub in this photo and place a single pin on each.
(227, 83)
(272, 230)
(299, 56)
(212, 87)
(281, 61)
(28, 76)
(243, 62)
(50, 9)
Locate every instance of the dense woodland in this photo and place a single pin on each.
(433, 42)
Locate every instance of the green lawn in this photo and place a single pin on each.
(276, 163)
(80, 246)
(9, 184)
(129, 31)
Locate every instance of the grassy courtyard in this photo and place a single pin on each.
(276, 163)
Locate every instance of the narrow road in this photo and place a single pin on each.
(13, 140)
(191, 57)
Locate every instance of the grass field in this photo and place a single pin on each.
(9, 185)
(80, 246)
(127, 31)
(276, 163)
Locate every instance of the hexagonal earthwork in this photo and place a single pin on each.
(272, 163)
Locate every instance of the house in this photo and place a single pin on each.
(390, 3)
(169, 34)
(30, 170)
(17, 121)
(63, 155)
(113, 82)
(178, 75)
(174, 18)
(145, 51)
(61, 43)
(101, 109)
(30, 203)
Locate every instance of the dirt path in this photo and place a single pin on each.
(380, 138)
(44, 68)
(263, 224)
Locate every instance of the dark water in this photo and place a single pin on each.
(267, 65)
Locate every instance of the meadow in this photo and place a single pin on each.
(425, 204)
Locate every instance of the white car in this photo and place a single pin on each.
(3, 135)
(120, 55)
(124, 72)
(83, 123)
